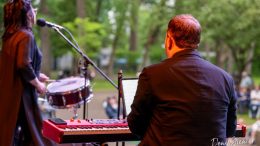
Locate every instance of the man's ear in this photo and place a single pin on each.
(169, 43)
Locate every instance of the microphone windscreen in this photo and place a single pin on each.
(41, 22)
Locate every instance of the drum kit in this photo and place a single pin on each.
(69, 93)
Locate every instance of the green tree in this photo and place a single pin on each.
(153, 29)
(233, 25)
(229, 28)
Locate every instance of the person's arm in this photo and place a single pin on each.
(231, 115)
(24, 64)
(254, 96)
(40, 87)
(141, 109)
(43, 77)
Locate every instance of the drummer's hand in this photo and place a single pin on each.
(41, 88)
(43, 77)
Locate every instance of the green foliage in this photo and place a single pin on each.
(61, 10)
(94, 32)
(121, 53)
(157, 53)
(90, 35)
(133, 60)
(256, 67)
(226, 24)
(131, 57)
(257, 80)
(232, 21)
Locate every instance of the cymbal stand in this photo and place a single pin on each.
(84, 70)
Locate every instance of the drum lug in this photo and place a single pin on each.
(50, 100)
(80, 95)
(64, 100)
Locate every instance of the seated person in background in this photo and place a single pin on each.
(111, 107)
(243, 100)
(246, 81)
(255, 133)
(255, 102)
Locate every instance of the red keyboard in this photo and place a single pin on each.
(78, 131)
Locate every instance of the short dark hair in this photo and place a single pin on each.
(15, 14)
(185, 30)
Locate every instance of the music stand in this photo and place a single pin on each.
(127, 98)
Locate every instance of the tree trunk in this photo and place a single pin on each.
(45, 42)
(243, 63)
(150, 41)
(207, 52)
(251, 51)
(133, 25)
(81, 13)
(230, 62)
(98, 9)
(119, 28)
(114, 46)
(221, 55)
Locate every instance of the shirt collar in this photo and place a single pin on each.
(185, 53)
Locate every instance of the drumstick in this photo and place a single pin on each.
(50, 80)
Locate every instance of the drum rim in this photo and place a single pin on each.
(86, 84)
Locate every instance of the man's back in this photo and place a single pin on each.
(189, 100)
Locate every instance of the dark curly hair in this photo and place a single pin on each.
(185, 30)
(15, 15)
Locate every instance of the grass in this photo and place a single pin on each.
(101, 84)
(246, 119)
(256, 80)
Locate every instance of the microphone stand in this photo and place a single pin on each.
(86, 63)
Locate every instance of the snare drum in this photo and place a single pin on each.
(67, 92)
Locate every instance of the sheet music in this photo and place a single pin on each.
(129, 89)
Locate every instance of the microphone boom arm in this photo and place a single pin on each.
(89, 61)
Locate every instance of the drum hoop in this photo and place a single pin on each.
(67, 92)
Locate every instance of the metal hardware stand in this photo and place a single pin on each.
(120, 99)
(87, 61)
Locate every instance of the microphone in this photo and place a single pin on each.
(41, 22)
